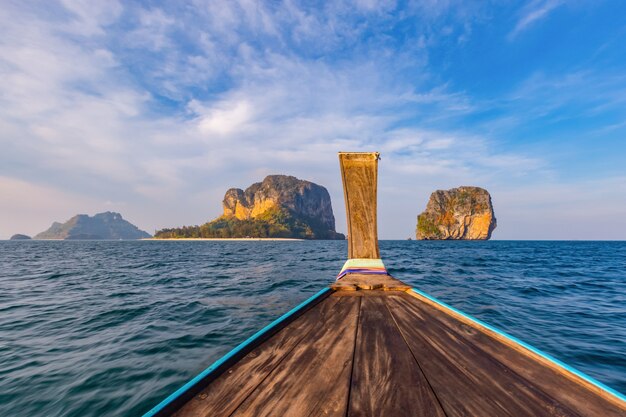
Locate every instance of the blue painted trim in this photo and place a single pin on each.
(527, 346)
(233, 352)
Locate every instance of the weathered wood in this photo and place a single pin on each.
(369, 293)
(353, 282)
(314, 378)
(388, 353)
(466, 379)
(231, 388)
(466, 383)
(386, 380)
(359, 172)
(542, 375)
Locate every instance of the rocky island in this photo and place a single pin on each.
(463, 213)
(280, 206)
(106, 226)
(20, 236)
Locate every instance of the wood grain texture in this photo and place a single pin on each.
(368, 293)
(231, 388)
(359, 173)
(353, 282)
(314, 378)
(386, 380)
(466, 379)
(548, 378)
(388, 353)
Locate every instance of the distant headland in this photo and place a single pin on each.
(102, 226)
(463, 213)
(280, 206)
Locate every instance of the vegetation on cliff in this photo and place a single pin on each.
(275, 223)
(279, 207)
(464, 213)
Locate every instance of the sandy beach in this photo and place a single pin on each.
(246, 239)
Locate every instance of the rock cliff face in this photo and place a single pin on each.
(108, 225)
(302, 198)
(463, 213)
(280, 206)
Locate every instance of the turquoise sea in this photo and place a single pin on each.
(93, 328)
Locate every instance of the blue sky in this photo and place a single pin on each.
(154, 109)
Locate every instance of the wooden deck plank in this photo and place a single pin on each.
(229, 390)
(548, 379)
(359, 293)
(353, 282)
(314, 378)
(386, 379)
(465, 379)
(388, 353)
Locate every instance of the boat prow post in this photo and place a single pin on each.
(364, 269)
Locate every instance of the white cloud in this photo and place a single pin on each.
(532, 13)
(90, 17)
(152, 31)
(224, 118)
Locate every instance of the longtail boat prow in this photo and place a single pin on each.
(370, 345)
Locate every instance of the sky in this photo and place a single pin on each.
(155, 108)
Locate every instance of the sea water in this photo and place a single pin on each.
(97, 328)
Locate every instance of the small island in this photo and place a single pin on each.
(463, 213)
(20, 236)
(102, 226)
(280, 206)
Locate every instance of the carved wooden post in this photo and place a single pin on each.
(359, 173)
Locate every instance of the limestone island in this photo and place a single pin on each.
(463, 213)
(280, 206)
(20, 236)
(102, 226)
